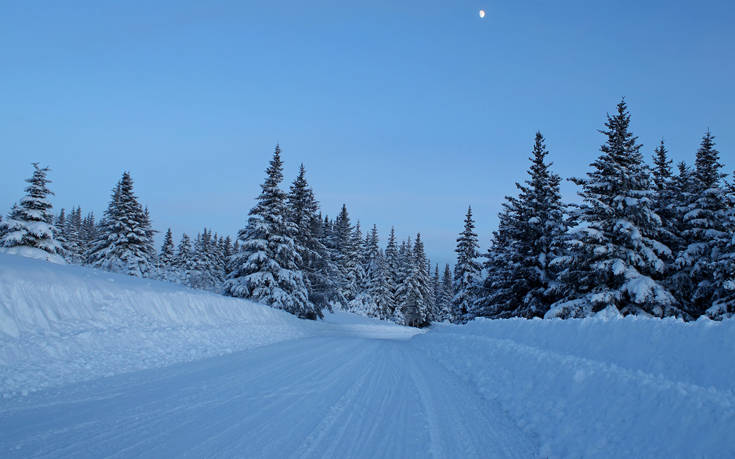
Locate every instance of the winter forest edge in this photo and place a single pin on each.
(651, 240)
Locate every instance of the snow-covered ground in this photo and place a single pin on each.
(194, 374)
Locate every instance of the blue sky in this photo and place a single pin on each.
(407, 111)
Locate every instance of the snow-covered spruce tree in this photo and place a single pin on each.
(329, 239)
(663, 201)
(355, 274)
(682, 196)
(416, 289)
(74, 241)
(201, 275)
(166, 256)
(375, 276)
(708, 227)
(497, 295)
(520, 279)
(29, 228)
(391, 272)
(184, 260)
(124, 240)
(60, 234)
(405, 268)
(614, 259)
(346, 256)
(436, 284)
(466, 271)
(446, 294)
(88, 234)
(266, 269)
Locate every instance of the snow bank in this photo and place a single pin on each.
(628, 387)
(62, 324)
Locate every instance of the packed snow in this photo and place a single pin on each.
(98, 364)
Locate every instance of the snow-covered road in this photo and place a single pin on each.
(350, 393)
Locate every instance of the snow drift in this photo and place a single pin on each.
(62, 324)
(621, 387)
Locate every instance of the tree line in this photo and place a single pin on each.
(643, 240)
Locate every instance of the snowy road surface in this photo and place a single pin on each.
(357, 391)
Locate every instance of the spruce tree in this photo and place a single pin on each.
(266, 269)
(707, 229)
(184, 261)
(614, 258)
(521, 279)
(124, 240)
(29, 228)
(391, 271)
(76, 245)
(663, 200)
(166, 257)
(303, 212)
(416, 289)
(345, 256)
(446, 294)
(376, 277)
(498, 293)
(466, 271)
(60, 234)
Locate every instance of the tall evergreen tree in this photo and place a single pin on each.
(267, 267)
(303, 211)
(466, 271)
(446, 294)
(663, 200)
(707, 228)
(184, 261)
(29, 227)
(521, 280)
(76, 244)
(124, 241)
(166, 257)
(614, 257)
(60, 234)
(391, 271)
(376, 279)
(416, 288)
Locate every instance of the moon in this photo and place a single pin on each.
(482, 14)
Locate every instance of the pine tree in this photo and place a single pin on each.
(405, 269)
(466, 271)
(614, 258)
(416, 289)
(184, 261)
(707, 229)
(498, 293)
(124, 241)
(375, 275)
(345, 255)
(391, 272)
(29, 229)
(521, 279)
(447, 292)
(664, 190)
(437, 315)
(76, 245)
(88, 235)
(60, 234)
(267, 267)
(166, 257)
(204, 273)
(304, 214)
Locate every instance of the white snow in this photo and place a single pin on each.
(347, 386)
(62, 324)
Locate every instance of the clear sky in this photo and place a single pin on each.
(407, 111)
